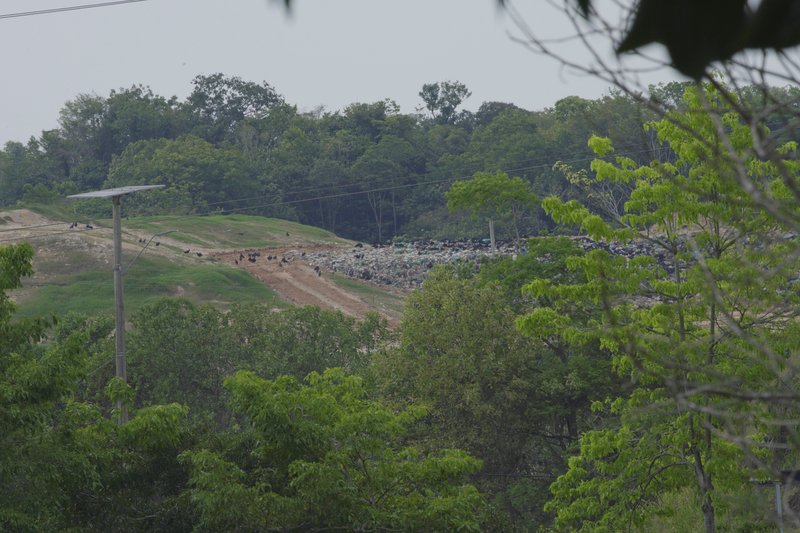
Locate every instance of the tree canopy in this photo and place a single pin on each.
(678, 320)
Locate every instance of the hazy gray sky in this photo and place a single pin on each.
(328, 52)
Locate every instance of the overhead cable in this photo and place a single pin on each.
(66, 8)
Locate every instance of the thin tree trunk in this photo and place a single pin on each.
(394, 212)
(377, 210)
(703, 481)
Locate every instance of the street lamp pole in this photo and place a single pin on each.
(116, 195)
(122, 369)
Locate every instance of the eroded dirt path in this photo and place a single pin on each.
(285, 271)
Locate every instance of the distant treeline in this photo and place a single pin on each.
(367, 172)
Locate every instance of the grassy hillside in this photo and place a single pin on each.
(230, 231)
(74, 270)
(92, 292)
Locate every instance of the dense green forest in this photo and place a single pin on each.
(569, 388)
(367, 172)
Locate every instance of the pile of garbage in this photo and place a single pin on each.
(403, 264)
(406, 264)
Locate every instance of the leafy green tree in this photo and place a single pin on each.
(543, 258)
(443, 98)
(177, 352)
(137, 114)
(323, 456)
(133, 481)
(180, 352)
(34, 459)
(328, 174)
(292, 160)
(381, 168)
(491, 196)
(25, 168)
(511, 140)
(219, 104)
(82, 124)
(521, 143)
(446, 139)
(368, 119)
(94, 129)
(301, 340)
(514, 401)
(694, 321)
(488, 111)
(64, 464)
(197, 175)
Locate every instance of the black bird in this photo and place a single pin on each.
(157, 243)
(241, 256)
(73, 225)
(186, 251)
(199, 254)
(89, 226)
(236, 261)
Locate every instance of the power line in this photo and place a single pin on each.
(145, 248)
(4, 230)
(40, 235)
(397, 178)
(333, 195)
(66, 8)
(355, 193)
(363, 191)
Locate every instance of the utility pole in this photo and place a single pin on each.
(119, 336)
(116, 195)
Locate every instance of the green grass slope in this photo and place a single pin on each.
(231, 231)
(92, 292)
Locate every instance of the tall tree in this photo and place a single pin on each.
(678, 317)
(220, 104)
(493, 196)
(443, 98)
(33, 380)
(322, 456)
(197, 175)
(517, 402)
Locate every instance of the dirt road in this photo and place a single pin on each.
(286, 272)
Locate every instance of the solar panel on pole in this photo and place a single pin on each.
(116, 195)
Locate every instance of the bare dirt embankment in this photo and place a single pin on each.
(286, 272)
